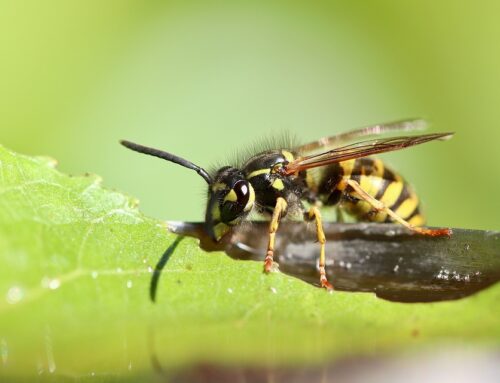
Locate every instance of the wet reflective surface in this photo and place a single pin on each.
(443, 366)
(388, 260)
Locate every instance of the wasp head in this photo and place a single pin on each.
(230, 195)
(230, 199)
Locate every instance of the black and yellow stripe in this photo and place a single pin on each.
(375, 179)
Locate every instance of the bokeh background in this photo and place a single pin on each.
(203, 79)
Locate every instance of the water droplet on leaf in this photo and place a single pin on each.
(14, 295)
(54, 284)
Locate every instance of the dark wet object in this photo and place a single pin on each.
(396, 264)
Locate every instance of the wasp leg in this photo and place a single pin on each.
(380, 206)
(279, 209)
(315, 213)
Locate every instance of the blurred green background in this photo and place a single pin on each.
(203, 79)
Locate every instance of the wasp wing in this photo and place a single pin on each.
(372, 130)
(359, 149)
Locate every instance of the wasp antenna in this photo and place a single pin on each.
(168, 157)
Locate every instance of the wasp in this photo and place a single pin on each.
(301, 181)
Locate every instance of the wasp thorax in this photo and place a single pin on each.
(264, 172)
(230, 199)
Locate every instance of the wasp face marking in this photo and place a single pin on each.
(231, 197)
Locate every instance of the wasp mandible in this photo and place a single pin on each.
(301, 181)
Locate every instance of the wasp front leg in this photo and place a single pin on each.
(279, 209)
(380, 206)
(315, 214)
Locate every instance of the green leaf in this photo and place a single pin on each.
(76, 263)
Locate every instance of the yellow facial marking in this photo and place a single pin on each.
(259, 172)
(288, 156)
(220, 229)
(278, 184)
(215, 213)
(251, 199)
(231, 196)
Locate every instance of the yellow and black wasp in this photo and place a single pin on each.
(281, 181)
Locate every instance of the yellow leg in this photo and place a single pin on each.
(379, 206)
(279, 209)
(315, 213)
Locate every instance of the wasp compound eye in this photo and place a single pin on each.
(242, 190)
(238, 201)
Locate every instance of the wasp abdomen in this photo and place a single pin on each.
(375, 179)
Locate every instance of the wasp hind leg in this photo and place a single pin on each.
(278, 211)
(380, 206)
(315, 214)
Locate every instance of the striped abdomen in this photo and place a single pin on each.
(378, 181)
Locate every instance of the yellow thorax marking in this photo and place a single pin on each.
(288, 156)
(278, 184)
(258, 173)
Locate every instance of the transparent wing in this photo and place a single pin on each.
(373, 130)
(360, 149)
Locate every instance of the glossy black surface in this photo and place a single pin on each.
(385, 259)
